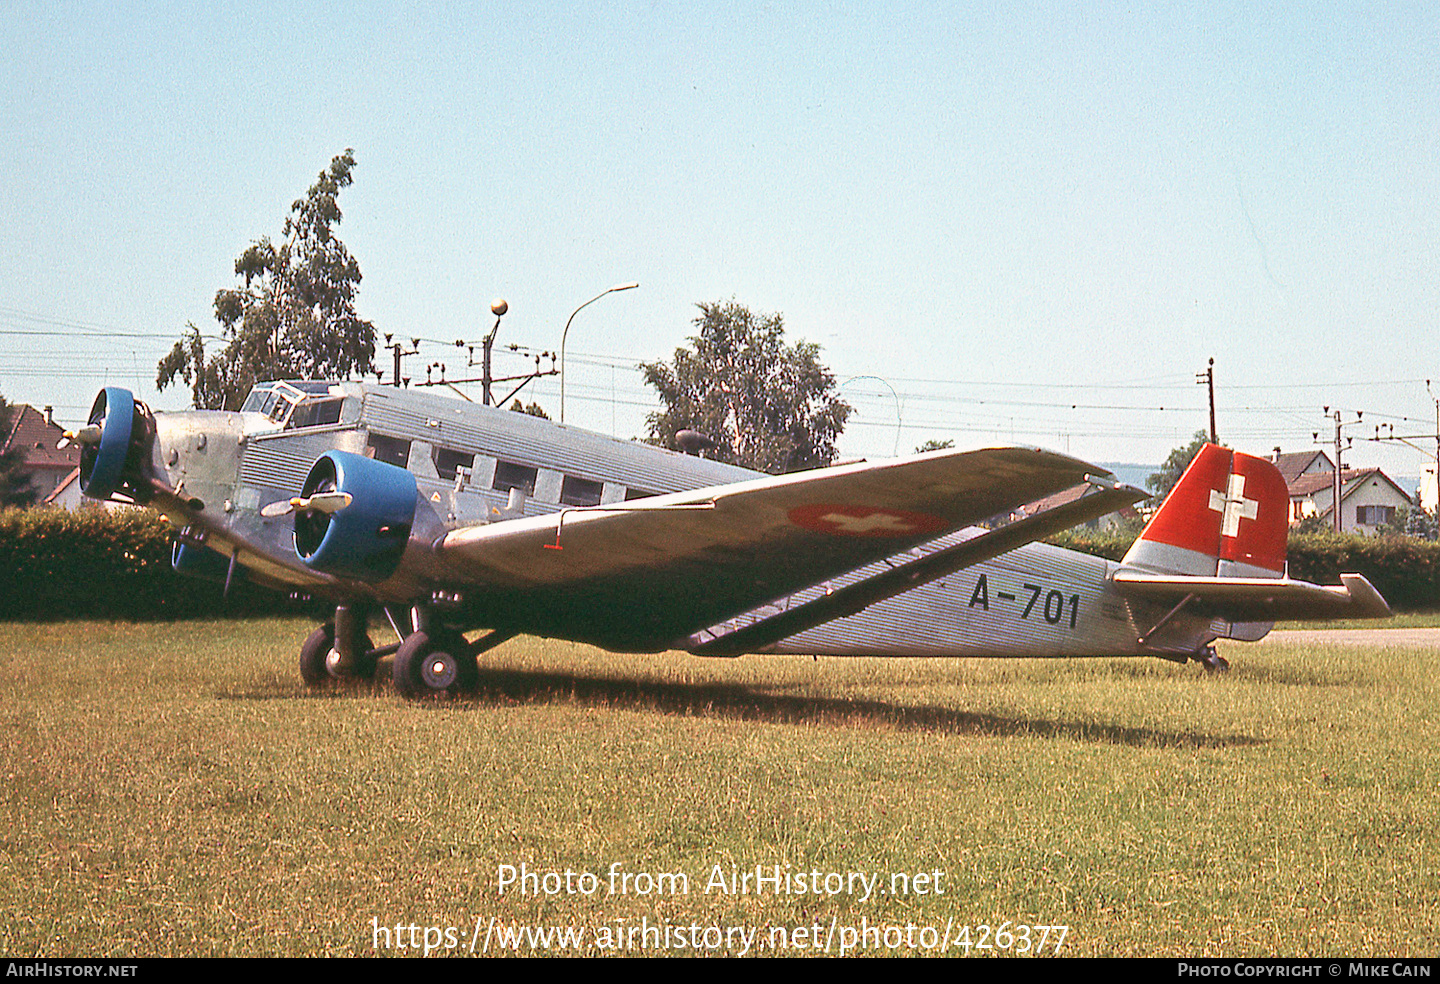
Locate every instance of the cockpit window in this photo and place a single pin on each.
(295, 404)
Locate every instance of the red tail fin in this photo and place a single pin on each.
(1227, 516)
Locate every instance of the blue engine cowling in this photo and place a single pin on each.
(365, 539)
(113, 464)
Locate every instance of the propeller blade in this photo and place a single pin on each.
(89, 434)
(327, 502)
(323, 502)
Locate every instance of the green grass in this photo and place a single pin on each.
(174, 790)
(1400, 620)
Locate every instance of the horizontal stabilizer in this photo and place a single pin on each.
(1258, 599)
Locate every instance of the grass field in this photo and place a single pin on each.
(172, 789)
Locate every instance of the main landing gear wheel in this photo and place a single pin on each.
(320, 660)
(1213, 661)
(438, 665)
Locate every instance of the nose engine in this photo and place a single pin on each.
(115, 446)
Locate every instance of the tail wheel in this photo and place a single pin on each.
(320, 660)
(1213, 661)
(439, 664)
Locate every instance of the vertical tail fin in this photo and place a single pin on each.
(1228, 516)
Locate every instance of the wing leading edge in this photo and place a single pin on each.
(651, 573)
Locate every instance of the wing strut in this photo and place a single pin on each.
(1168, 616)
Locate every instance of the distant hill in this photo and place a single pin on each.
(1129, 472)
(1133, 474)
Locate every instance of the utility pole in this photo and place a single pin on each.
(1337, 483)
(1208, 378)
(397, 349)
(498, 309)
(487, 379)
(1437, 448)
(1408, 440)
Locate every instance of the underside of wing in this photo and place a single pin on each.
(1258, 599)
(649, 574)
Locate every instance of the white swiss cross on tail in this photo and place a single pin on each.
(1233, 506)
(1227, 513)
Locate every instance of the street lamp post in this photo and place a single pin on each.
(898, 424)
(566, 333)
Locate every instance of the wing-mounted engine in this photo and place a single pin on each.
(115, 447)
(353, 516)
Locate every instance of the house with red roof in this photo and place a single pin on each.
(1368, 497)
(35, 434)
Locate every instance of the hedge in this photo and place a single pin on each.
(1404, 570)
(98, 563)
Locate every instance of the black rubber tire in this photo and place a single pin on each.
(429, 667)
(317, 667)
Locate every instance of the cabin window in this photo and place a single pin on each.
(509, 475)
(638, 494)
(391, 450)
(580, 492)
(316, 414)
(448, 462)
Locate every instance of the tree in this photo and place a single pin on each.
(1169, 474)
(767, 406)
(1412, 521)
(293, 317)
(934, 445)
(15, 488)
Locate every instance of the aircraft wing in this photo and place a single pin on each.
(1100, 498)
(649, 573)
(1259, 599)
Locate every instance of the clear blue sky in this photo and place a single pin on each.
(1034, 222)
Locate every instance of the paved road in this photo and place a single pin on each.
(1399, 638)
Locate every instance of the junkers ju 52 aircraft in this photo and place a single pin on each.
(452, 518)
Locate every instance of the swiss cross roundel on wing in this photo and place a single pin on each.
(864, 521)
